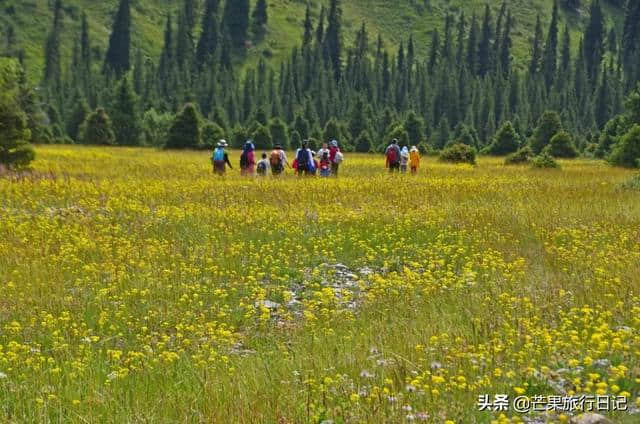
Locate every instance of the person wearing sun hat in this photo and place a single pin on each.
(220, 158)
(414, 160)
(278, 160)
(335, 157)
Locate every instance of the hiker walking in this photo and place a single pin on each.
(304, 160)
(325, 163)
(220, 159)
(404, 159)
(392, 154)
(247, 159)
(336, 157)
(414, 160)
(278, 160)
(262, 168)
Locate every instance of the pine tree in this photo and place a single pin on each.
(124, 115)
(602, 105)
(460, 39)
(308, 28)
(550, 58)
(184, 42)
(260, 18)
(52, 66)
(117, 59)
(505, 141)
(565, 61)
(548, 126)
(631, 42)
(185, 130)
(485, 56)
(536, 50)
(15, 150)
(594, 41)
(208, 41)
(472, 46)
(505, 46)
(434, 54)
(236, 18)
(77, 116)
(333, 40)
(97, 129)
(85, 57)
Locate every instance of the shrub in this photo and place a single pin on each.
(613, 130)
(279, 132)
(523, 155)
(561, 146)
(400, 133)
(363, 142)
(505, 141)
(633, 183)
(15, 150)
(548, 126)
(627, 151)
(262, 138)
(185, 130)
(459, 153)
(155, 127)
(211, 134)
(97, 129)
(545, 160)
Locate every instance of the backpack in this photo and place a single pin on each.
(303, 160)
(218, 155)
(392, 155)
(275, 160)
(244, 161)
(338, 158)
(262, 168)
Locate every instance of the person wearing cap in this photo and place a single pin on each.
(220, 158)
(414, 159)
(335, 156)
(278, 160)
(247, 159)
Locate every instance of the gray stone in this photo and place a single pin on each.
(590, 419)
(267, 304)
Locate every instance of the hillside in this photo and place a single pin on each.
(395, 20)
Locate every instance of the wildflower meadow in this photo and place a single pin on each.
(136, 286)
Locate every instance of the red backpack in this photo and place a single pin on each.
(392, 155)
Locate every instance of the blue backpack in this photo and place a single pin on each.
(303, 160)
(218, 155)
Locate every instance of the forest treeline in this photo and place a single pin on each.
(465, 90)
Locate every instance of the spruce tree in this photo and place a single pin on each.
(260, 18)
(548, 126)
(308, 28)
(594, 41)
(472, 45)
(505, 141)
(52, 66)
(333, 39)
(536, 50)
(185, 130)
(117, 59)
(97, 129)
(485, 56)
(208, 41)
(550, 58)
(236, 19)
(124, 115)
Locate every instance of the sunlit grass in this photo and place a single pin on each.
(134, 287)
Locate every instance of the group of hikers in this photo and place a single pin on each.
(325, 162)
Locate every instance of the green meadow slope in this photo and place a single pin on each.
(395, 20)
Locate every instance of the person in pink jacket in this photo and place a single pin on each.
(248, 159)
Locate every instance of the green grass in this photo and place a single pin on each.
(395, 20)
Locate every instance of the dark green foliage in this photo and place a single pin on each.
(505, 141)
(523, 155)
(117, 59)
(544, 160)
(97, 129)
(236, 19)
(548, 126)
(415, 128)
(279, 132)
(627, 151)
(536, 50)
(77, 116)
(15, 150)
(52, 66)
(260, 18)
(262, 137)
(615, 128)
(594, 36)
(561, 146)
(185, 130)
(400, 133)
(296, 139)
(363, 142)
(124, 115)
(459, 153)
(549, 63)
(155, 127)
(239, 136)
(333, 37)
(208, 41)
(212, 133)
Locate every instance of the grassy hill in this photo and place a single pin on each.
(394, 19)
